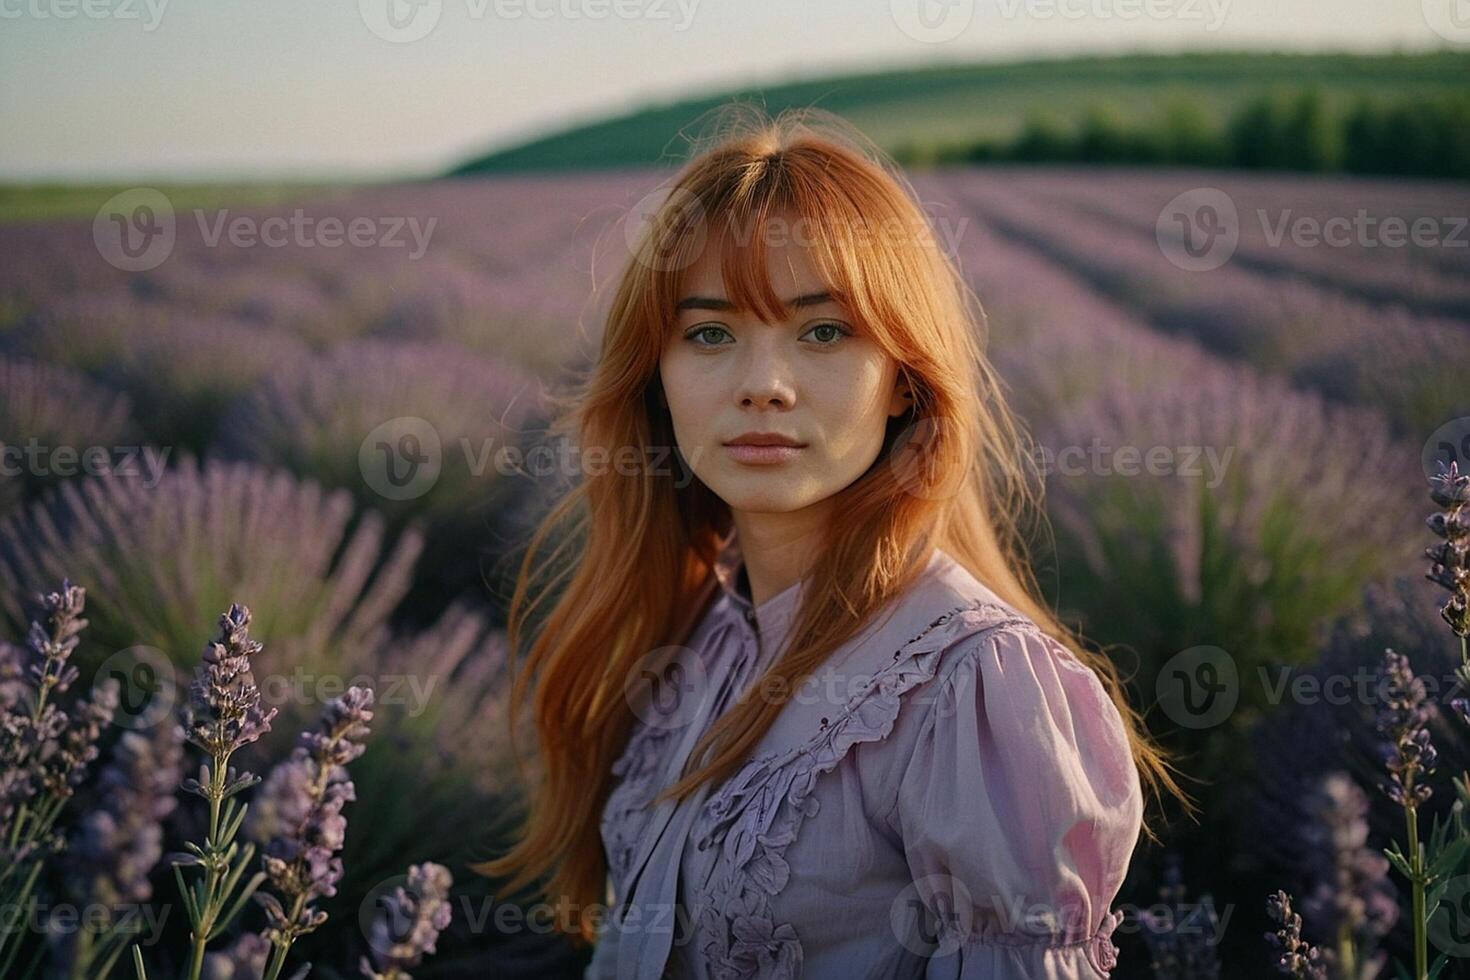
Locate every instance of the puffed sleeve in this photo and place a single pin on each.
(1018, 811)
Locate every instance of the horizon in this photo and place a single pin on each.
(157, 96)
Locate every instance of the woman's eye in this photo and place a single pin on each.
(708, 328)
(833, 332)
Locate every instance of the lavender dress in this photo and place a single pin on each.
(950, 795)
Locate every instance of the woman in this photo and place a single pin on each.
(800, 709)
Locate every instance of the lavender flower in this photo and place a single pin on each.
(410, 924)
(298, 812)
(44, 749)
(117, 845)
(223, 715)
(56, 406)
(224, 711)
(168, 557)
(1298, 958)
(1402, 717)
(1354, 904)
(44, 746)
(1179, 937)
(1451, 557)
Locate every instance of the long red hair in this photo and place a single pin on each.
(956, 472)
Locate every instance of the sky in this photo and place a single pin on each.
(384, 89)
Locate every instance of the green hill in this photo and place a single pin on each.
(959, 104)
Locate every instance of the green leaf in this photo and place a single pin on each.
(1397, 860)
(229, 916)
(188, 897)
(1449, 858)
(1438, 965)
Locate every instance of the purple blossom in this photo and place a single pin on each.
(410, 923)
(165, 558)
(56, 407)
(298, 814)
(1353, 895)
(1298, 958)
(224, 711)
(119, 842)
(1407, 752)
(46, 747)
(1450, 568)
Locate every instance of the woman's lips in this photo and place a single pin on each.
(763, 455)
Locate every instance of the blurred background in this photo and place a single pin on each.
(257, 256)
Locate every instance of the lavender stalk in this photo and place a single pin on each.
(1298, 958)
(45, 749)
(223, 715)
(410, 924)
(299, 814)
(1408, 755)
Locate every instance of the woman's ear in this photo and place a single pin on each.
(903, 396)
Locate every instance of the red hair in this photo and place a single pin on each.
(955, 472)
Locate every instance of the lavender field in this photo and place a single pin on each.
(1236, 457)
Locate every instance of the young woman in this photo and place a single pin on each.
(801, 710)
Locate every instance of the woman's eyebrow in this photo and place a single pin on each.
(714, 303)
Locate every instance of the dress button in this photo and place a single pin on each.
(750, 615)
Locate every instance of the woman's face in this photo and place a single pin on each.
(814, 378)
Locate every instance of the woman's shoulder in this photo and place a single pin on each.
(945, 609)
